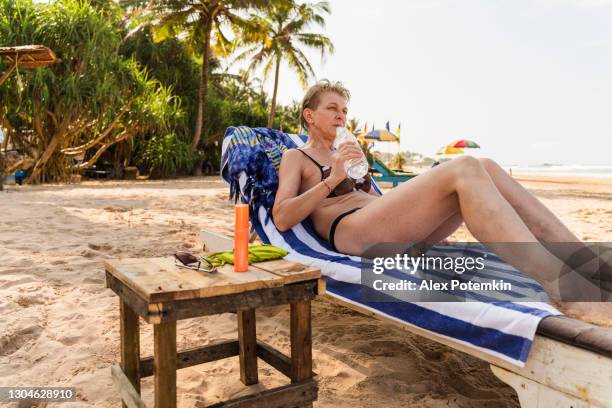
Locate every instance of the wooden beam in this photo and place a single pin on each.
(248, 346)
(532, 394)
(130, 398)
(188, 308)
(275, 358)
(195, 356)
(135, 302)
(567, 370)
(164, 345)
(8, 72)
(130, 345)
(287, 396)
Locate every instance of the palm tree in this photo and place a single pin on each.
(277, 35)
(198, 21)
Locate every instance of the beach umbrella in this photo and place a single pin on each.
(449, 150)
(464, 143)
(378, 135)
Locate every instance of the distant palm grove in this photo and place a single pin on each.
(146, 84)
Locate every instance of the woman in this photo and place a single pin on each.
(428, 208)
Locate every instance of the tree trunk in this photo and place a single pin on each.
(119, 138)
(203, 88)
(273, 104)
(39, 166)
(117, 160)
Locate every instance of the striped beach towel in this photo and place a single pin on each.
(501, 328)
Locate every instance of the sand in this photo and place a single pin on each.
(60, 327)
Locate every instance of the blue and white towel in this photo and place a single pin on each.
(504, 329)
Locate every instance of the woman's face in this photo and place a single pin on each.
(329, 115)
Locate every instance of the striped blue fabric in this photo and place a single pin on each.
(499, 328)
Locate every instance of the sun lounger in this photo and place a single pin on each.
(387, 175)
(548, 359)
(569, 363)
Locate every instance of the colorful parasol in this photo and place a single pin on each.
(378, 135)
(463, 143)
(449, 150)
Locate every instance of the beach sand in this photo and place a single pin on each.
(60, 325)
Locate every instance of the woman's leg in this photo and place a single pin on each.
(542, 223)
(415, 209)
(427, 201)
(445, 229)
(538, 218)
(553, 234)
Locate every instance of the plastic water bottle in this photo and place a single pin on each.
(354, 168)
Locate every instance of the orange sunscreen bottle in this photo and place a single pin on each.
(241, 238)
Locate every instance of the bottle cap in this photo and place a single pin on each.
(242, 217)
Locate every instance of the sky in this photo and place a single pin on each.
(529, 80)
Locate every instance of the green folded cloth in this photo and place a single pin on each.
(257, 253)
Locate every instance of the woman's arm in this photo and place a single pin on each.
(289, 207)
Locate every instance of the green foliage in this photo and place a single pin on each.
(232, 99)
(169, 62)
(398, 161)
(166, 155)
(287, 118)
(199, 24)
(91, 100)
(122, 98)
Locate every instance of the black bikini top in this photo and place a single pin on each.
(347, 185)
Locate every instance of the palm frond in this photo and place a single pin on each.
(268, 67)
(277, 30)
(300, 69)
(304, 61)
(316, 41)
(256, 62)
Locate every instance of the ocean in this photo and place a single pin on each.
(576, 170)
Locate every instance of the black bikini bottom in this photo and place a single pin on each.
(334, 225)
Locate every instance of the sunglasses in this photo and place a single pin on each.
(195, 263)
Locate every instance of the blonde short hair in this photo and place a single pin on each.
(313, 96)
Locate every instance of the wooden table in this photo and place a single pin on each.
(161, 293)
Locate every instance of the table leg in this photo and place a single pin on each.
(301, 343)
(164, 361)
(248, 346)
(130, 345)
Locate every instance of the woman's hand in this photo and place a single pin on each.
(346, 151)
